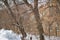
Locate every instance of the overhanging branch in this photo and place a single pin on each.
(26, 2)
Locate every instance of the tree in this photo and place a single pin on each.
(37, 17)
(19, 24)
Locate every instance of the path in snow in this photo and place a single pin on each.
(10, 35)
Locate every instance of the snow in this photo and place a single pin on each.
(10, 35)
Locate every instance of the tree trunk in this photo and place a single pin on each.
(39, 23)
(19, 24)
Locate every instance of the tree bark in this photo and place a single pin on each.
(39, 23)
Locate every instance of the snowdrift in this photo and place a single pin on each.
(10, 35)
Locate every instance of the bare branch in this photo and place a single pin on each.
(20, 26)
(26, 2)
(7, 5)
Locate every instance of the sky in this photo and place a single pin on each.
(30, 1)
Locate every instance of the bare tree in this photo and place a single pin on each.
(19, 24)
(37, 17)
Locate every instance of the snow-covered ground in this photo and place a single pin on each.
(10, 35)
